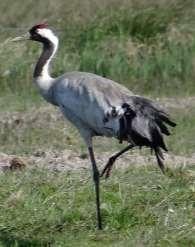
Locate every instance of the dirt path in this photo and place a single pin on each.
(69, 160)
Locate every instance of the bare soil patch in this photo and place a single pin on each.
(69, 160)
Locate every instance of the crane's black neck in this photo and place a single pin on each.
(43, 62)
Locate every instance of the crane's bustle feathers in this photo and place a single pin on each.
(144, 126)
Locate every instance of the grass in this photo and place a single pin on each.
(140, 207)
(182, 140)
(148, 47)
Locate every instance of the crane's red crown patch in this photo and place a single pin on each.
(41, 25)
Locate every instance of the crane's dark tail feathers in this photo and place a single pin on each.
(143, 124)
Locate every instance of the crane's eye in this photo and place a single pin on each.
(34, 35)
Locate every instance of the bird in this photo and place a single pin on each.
(98, 106)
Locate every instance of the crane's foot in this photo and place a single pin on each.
(99, 226)
(108, 167)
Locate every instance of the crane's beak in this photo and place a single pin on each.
(26, 36)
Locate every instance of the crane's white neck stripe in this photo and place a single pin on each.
(44, 80)
(45, 70)
(48, 34)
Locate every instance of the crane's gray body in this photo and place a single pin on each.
(85, 99)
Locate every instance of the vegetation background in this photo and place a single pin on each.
(148, 46)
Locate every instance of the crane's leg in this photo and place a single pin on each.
(107, 169)
(96, 178)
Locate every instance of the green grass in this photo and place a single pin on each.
(182, 141)
(148, 47)
(140, 207)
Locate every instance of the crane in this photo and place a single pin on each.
(98, 106)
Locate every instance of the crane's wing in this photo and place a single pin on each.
(89, 97)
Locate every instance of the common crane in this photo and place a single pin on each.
(99, 107)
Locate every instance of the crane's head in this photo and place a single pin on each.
(41, 33)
